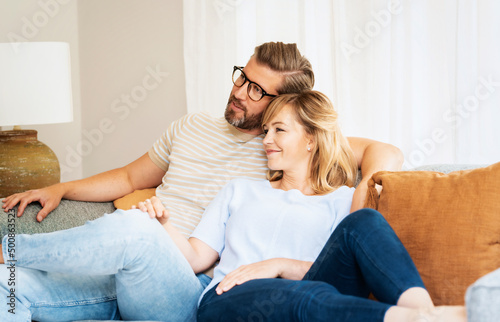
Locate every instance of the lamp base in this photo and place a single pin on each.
(25, 163)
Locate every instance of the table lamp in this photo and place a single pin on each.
(35, 88)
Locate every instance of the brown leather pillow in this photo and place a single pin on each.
(127, 201)
(449, 223)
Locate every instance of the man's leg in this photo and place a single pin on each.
(32, 294)
(153, 279)
(364, 255)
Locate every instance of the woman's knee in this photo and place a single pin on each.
(365, 217)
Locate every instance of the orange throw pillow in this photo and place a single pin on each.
(127, 201)
(449, 223)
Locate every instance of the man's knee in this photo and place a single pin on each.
(130, 223)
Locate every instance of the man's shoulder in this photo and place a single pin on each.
(205, 116)
(201, 118)
(197, 120)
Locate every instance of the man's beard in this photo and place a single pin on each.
(246, 122)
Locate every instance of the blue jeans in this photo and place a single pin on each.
(122, 265)
(362, 255)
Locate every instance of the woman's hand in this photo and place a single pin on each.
(292, 269)
(154, 208)
(270, 268)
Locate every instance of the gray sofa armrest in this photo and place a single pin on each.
(68, 214)
(447, 168)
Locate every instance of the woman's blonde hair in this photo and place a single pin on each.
(332, 163)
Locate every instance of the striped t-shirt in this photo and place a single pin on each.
(202, 154)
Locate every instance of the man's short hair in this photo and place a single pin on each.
(286, 59)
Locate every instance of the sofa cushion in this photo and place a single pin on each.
(449, 223)
(127, 201)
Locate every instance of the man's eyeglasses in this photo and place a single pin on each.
(255, 92)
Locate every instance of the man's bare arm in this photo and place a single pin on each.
(107, 186)
(372, 156)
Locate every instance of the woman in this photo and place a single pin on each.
(267, 234)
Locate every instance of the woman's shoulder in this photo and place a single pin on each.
(342, 192)
(244, 187)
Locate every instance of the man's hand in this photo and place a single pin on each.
(154, 208)
(359, 196)
(49, 198)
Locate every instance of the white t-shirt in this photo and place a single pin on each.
(250, 221)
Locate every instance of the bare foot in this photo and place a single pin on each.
(442, 314)
(453, 313)
(435, 314)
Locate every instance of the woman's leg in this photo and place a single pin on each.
(364, 255)
(153, 280)
(287, 300)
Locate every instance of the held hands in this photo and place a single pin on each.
(154, 208)
(266, 269)
(49, 198)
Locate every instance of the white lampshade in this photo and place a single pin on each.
(35, 83)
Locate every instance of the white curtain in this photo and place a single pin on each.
(423, 75)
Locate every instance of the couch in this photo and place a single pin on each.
(447, 216)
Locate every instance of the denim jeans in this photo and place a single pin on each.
(122, 265)
(362, 255)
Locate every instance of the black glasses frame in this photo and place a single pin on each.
(264, 93)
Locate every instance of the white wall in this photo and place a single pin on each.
(132, 74)
(127, 71)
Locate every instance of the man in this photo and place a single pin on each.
(198, 154)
